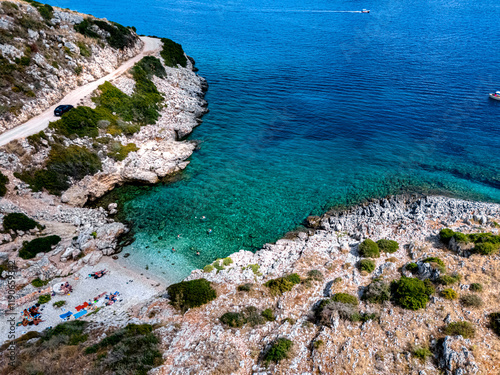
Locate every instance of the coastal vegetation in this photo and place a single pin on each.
(249, 315)
(476, 287)
(38, 245)
(411, 293)
(172, 53)
(118, 37)
(44, 298)
(189, 294)
(495, 322)
(471, 300)
(387, 246)
(449, 293)
(377, 291)
(278, 351)
(284, 284)
(464, 329)
(4, 180)
(18, 221)
(484, 243)
(367, 265)
(369, 249)
(37, 283)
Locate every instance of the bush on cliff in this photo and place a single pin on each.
(190, 294)
(485, 243)
(119, 152)
(119, 36)
(281, 285)
(18, 221)
(38, 245)
(449, 293)
(377, 291)
(410, 293)
(387, 246)
(367, 265)
(69, 333)
(173, 54)
(81, 121)
(279, 350)
(152, 66)
(63, 163)
(437, 263)
(495, 322)
(464, 329)
(368, 249)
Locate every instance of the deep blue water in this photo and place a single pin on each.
(311, 108)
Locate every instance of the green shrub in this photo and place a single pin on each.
(422, 352)
(130, 350)
(449, 279)
(283, 284)
(255, 269)
(245, 287)
(152, 66)
(268, 315)
(412, 267)
(227, 261)
(119, 152)
(279, 350)
(369, 249)
(446, 234)
(81, 121)
(190, 294)
(84, 49)
(38, 245)
(476, 287)
(63, 162)
(119, 36)
(233, 319)
(18, 221)
(464, 329)
(37, 283)
(367, 265)
(208, 268)
(318, 344)
(44, 298)
(495, 322)
(449, 293)
(315, 275)
(172, 54)
(344, 298)
(471, 300)
(377, 291)
(387, 246)
(4, 180)
(410, 293)
(487, 248)
(69, 333)
(59, 304)
(429, 287)
(253, 316)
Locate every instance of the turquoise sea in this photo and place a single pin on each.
(312, 108)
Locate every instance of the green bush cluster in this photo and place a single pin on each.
(411, 293)
(37, 283)
(63, 162)
(449, 279)
(173, 54)
(59, 304)
(422, 353)
(464, 329)
(45, 10)
(134, 349)
(387, 246)
(190, 294)
(476, 287)
(377, 291)
(38, 245)
(119, 152)
(369, 249)
(283, 284)
(315, 275)
(208, 268)
(81, 121)
(44, 298)
(84, 49)
(4, 180)
(268, 315)
(69, 333)
(485, 243)
(412, 267)
(152, 67)
(367, 265)
(250, 315)
(471, 300)
(344, 298)
(119, 36)
(18, 221)
(279, 350)
(449, 293)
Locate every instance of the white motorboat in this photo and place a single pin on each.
(495, 96)
(365, 11)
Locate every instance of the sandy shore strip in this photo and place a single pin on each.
(134, 289)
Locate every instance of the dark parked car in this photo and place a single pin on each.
(62, 109)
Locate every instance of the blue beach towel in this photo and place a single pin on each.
(65, 315)
(80, 314)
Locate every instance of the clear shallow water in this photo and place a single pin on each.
(311, 109)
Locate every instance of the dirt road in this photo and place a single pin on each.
(41, 121)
